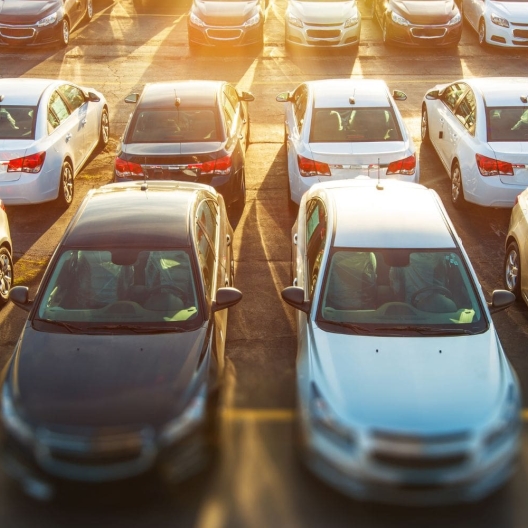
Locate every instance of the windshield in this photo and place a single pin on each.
(509, 123)
(401, 291)
(356, 125)
(121, 287)
(17, 122)
(173, 125)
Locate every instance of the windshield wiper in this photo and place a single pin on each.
(140, 329)
(424, 330)
(358, 329)
(70, 327)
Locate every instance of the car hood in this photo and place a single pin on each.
(28, 11)
(330, 12)
(170, 149)
(418, 384)
(431, 12)
(513, 11)
(104, 380)
(225, 13)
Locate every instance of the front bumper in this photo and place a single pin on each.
(236, 36)
(516, 36)
(330, 36)
(424, 36)
(30, 35)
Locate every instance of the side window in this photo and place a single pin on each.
(57, 112)
(206, 235)
(466, 112)
(452, 94)
(232, 96)
(316, 224)
(229, 115)
(73, 95)
(300, 99)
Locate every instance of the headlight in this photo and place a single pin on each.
(253, 21)
(294, 21)
(352, 21)
(325, 421)
(193, 19)
(50, 19)
(397, 19)
(499, 21)
(189, 419)
(12, 420)
(455, 20)
(508, 424)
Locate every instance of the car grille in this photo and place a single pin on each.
(428, 32)
(17, 33)
(323, 33)
(419, 462)
(224, 34)
(520, 33)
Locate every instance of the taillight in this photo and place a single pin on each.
(126, 169)
(309, 167)
(403, 166)
(492, 167)
(31, 164)
(219, 167)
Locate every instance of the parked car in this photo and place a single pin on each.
(41, 22)
(217, 22)
(342, 128)
(48, 129)
(6, 256)
(419, 23)
(479, 129)
(318, 23)
(190, 131)
(404, 392)
(516, 259)
(119, 366)
(501, 23)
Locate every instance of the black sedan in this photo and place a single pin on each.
(119, 366)
(188, 131)
(38, 22)
(419, 22)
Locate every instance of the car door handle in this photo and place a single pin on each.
(228, 240)
(241, 136)
(68, 137)
(83, 122)
(295, 281)
(295, 239)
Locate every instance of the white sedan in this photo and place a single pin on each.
(404, 392)
(479, 129)
(48, 129)
(341, 128)
(501, 23)
(6, 256)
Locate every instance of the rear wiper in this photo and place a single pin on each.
(71, 328)
(424, 330)
(358, 329)
(140, 329)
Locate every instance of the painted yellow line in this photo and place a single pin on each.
(524, 414)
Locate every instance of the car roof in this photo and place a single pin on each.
(24, 91)
(328, 93)
(500, 91)
(135, 214)
(392, 214)
(190, 93)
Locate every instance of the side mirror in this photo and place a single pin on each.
(294, 296)
(500, 299)
(248, 97)
(398, 95)
(132, 98)
(433, 94)
(93, 98)
(225, 298)
(283, 97)
(20, 296)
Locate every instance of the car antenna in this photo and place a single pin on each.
(352, 98)
(177, 100)
(379, 186)
(524, 98)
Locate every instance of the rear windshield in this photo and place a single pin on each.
(509, 123)
(357, 125)
(173, 126)
(17, 122)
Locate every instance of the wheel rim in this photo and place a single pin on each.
(65, 32)
(105, 127)
(67, 184)
(456, 184)
(482, 33)
(89, 9)
(424, 124)
(6, 275)
(512, 270)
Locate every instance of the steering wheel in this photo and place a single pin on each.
(431, 290)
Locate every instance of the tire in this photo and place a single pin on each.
(104, 129)
(240, 200)
(457, 187)
(512, 270)
(65, 33)
(482, 34)
(66, 190)
(89, 10)
(6, 274)
(426, 138)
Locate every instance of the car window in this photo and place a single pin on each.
(356, 125)
(386, 288)
(300, 101)
(17, 122)
(229, 114)
(452, 94)
(58, 112)
(232, 96)
(169, 126)
(466, 111)
(316, 224)
(72, 95)
(507, 123)
(121, 286)
(206, 237)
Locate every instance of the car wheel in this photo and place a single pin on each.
(65, 197)
(240, 199)
(482, 33)
(457, 188)
(426, 138)
(104, 129)
(65, 33)
(89, 10)
(512, 270)
(6, 274)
